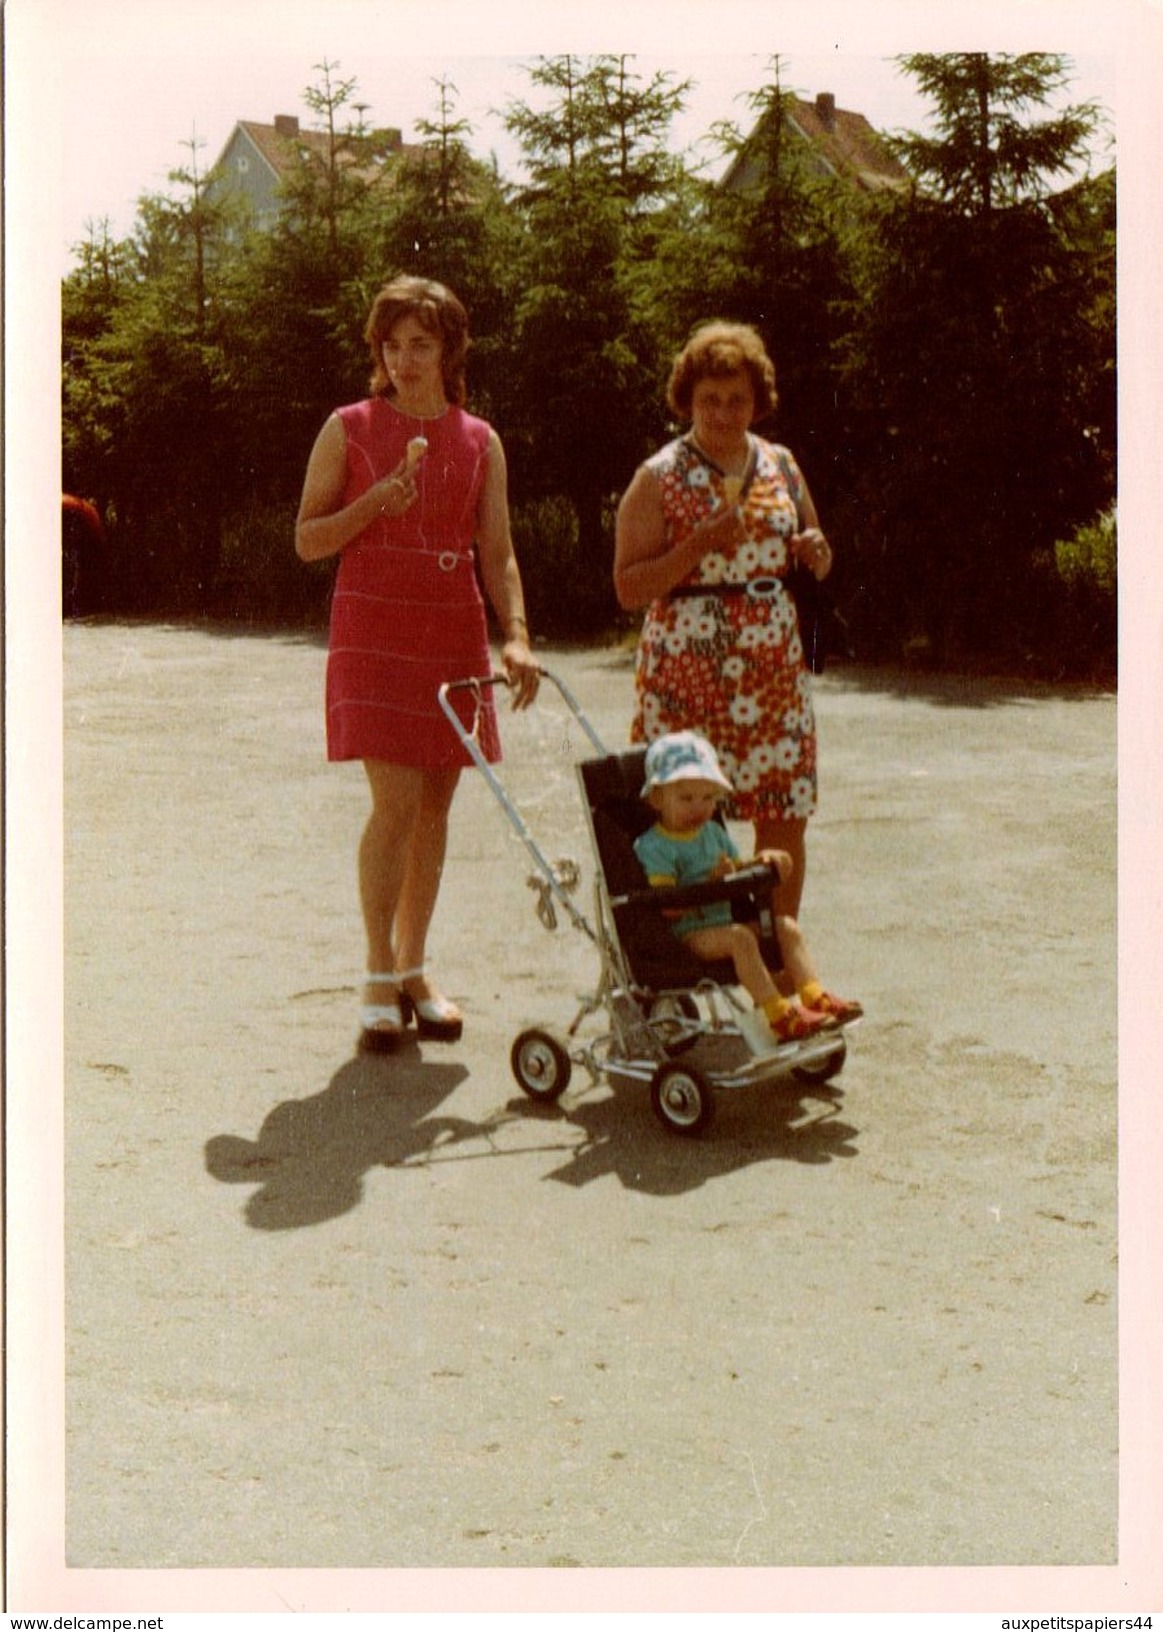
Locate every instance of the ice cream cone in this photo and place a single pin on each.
(417, 448)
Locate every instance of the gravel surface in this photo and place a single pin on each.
(332, 1311)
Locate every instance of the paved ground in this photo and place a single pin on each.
(331, 1311)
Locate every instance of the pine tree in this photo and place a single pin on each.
(965, 343)
(595, 158)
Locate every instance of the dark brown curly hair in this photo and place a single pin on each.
(438, 309)
(714, 351)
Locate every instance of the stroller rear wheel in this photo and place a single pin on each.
(823, 1070)
(541, 1065)
(682, 1099)
(675, 1020)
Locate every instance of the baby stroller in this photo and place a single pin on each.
(664, 1017)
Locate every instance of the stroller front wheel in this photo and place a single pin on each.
(541, 1065)
(682, 1099)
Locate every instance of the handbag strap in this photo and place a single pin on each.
(789, 478)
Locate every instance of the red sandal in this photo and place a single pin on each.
(840, 1009)
(797, 1022)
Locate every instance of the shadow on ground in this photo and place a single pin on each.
(621, 1138)
(310, 1156)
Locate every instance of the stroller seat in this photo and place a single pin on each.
(656, 960)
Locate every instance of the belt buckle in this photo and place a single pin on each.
(763, 589)
(447, 560)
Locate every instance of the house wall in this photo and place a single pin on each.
(242, 172)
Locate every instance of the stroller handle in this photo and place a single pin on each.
(476, 684)
(476, 681)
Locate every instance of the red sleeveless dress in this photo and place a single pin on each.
(407, 612)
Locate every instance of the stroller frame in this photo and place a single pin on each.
(656, 1016)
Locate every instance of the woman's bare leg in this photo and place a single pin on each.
(797, 961)
(790, 834)
(421, 882)
(383, 864)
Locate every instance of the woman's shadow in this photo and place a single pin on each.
(310, 1155)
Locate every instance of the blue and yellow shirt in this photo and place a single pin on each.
(687, 858)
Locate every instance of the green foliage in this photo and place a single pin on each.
(260, 578)
(1076, 584)
(977, 358)
(1089, 558)
(989, 152)
(563, 597)
(581, 421)
(945, 358)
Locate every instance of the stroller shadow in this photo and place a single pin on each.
(311, 1154)
(753, 1124)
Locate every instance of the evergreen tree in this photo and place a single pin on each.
(299, 291)
(144, 398)
(335, 185)
(965, 346)
(945, 359)
(791, 227)
(447, 217)
(989, 153)
(197, 224)
(632, 120)
(582, 421)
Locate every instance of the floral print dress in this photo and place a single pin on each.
(732, 666)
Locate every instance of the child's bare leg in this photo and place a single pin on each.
(737, 942)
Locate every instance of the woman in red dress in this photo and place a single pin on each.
(412, 493)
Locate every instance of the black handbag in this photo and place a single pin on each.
(819, 622)
(815, 616)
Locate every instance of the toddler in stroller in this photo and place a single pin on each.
(684, 785)
(665, 1003)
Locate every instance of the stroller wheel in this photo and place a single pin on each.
(676, 1021)
(541, 1065)
(823, 1070)
(682, 1099)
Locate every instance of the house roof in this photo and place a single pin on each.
(281, 146)
(844, 142)
(281, 143)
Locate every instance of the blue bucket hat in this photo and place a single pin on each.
(682, 756)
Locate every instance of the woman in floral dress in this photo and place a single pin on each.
(708, 531)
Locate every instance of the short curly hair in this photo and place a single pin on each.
(441, 313)
(714, 351)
